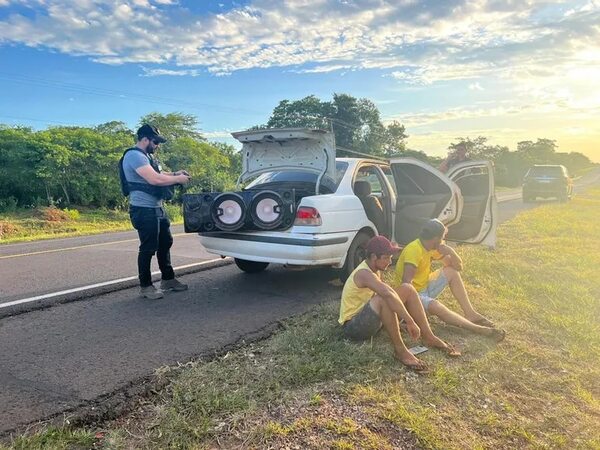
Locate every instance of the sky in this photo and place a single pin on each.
(509, 70)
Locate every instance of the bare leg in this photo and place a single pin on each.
(451, 318)
(415, 308)
(390, 322)
(460, 294)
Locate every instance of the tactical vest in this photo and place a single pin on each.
(160, 192)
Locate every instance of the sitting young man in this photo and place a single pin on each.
(368, 302)
(414, 267)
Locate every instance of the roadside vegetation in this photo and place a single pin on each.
(306, 387)
(23, 225)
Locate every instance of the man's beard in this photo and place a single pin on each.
(150, 148)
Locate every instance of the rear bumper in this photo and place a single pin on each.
(281, 248)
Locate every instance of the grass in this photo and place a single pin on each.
(306, 387)
(25, 225)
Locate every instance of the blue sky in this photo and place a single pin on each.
(508, 70)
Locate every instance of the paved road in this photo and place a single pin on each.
(64, 357)
(42, 267)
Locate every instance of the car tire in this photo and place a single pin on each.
(528, 198)
(250, 266)
(356, 254)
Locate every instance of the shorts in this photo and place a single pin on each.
(437, 283)
(365, 324)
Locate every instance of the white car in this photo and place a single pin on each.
(343, 202)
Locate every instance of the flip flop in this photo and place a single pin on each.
(484, 322)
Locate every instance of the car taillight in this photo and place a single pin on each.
(307, 216)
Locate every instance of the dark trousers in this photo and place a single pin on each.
(154, 230)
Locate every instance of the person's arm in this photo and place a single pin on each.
(367, 279)
(450, 257)
(409, 273)
(160, 179)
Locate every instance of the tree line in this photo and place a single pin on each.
(69, 165)
(63, 166)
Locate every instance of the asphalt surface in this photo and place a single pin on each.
(62, 358)
(42, 267)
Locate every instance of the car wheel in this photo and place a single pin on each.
(356, 254)
(528, 198)
(250, 266)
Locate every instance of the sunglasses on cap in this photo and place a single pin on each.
(155, 141)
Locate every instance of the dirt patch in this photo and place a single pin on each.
(323, 420)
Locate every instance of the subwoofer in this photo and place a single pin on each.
(270, 210)
(196, 212)
(237, 211)
(228, 211)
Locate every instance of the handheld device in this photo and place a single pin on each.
(418, 349)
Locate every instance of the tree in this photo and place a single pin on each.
(174, 125)
(356, 122)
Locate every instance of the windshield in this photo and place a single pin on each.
(548, 171)
(297, 177)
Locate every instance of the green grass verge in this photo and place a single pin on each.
(306, 387)
(30, 224)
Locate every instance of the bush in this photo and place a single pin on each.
(52, 214)
(8, 228)
(8, 204)
(174, 212)
(72, 213)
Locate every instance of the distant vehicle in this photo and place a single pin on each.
(547, 181)
(338, 204)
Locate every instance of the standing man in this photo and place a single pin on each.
(414, 268)
(368, 303)
(455, 157)
(142, 178)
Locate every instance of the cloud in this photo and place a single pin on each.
(169, 72)
(417, 43)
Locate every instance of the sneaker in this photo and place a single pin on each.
(172, 285)
(151, 292)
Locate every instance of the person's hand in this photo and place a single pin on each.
(413, 330)
(183, 178)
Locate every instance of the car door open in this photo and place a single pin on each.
(422, 193)
(478, 220)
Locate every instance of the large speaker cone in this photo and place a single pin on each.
(228, 211)
(267, 210)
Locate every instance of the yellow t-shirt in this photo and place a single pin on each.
(354, 297)
(417, 255)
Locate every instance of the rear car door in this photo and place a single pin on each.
(479, 217)
(422, 193)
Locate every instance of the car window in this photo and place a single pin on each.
(292, 176)
(548, 171)
(387, 171)
(371, 175)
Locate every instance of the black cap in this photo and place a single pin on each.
(150, 132)
(432, 228)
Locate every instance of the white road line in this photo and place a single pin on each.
(78, 247)
(92, 286)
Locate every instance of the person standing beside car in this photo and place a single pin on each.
(147, 186)
(455, 157)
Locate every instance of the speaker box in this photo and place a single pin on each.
(234, 211)
(271, 210)
(196, 212)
